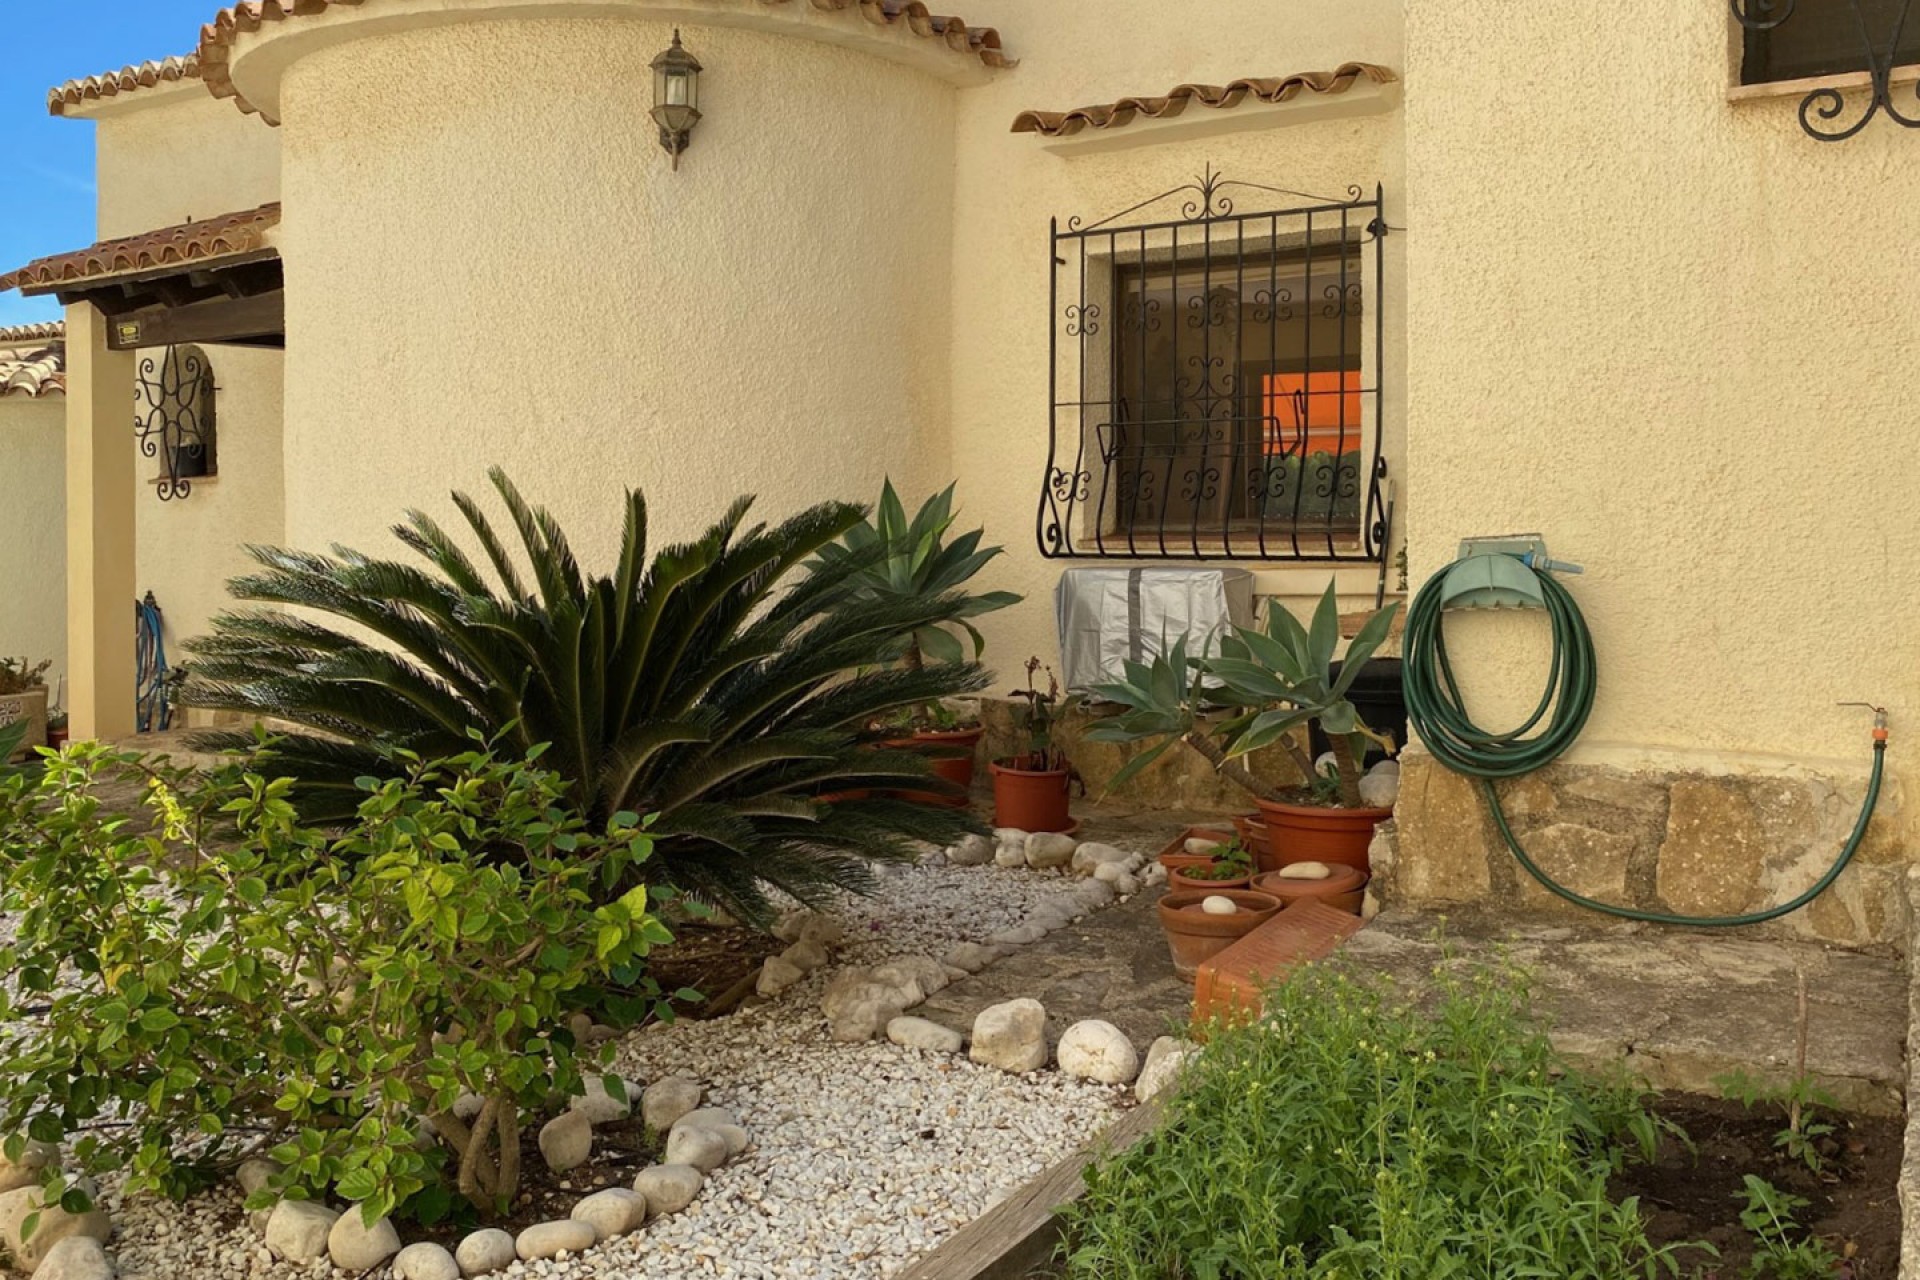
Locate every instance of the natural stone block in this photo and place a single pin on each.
(1587, 860)
(1444, 834)
(1715, 850)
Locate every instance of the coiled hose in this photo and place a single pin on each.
(1436, 711)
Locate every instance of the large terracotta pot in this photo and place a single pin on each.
(1343, 890)
(1318, 833)
(1194, 937)
(1030, 799)
(952, 758)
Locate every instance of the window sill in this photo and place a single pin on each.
(1909, 74)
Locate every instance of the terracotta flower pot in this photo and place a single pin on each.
(1344, 890)
(953, 761)
(1175, 856)
(1194, 937)
(1255, 836)
(1317, 833)
(1180, 880)
(1030, 799)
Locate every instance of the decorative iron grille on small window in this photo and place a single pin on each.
(1216, 381)
(1798, 39)
(173, 417)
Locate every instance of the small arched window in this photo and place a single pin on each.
(174, 417)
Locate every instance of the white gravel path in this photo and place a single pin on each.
(863, 1156)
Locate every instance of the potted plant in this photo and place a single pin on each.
(1031, 787)
(1270, 683)
(901, 559)
(23, 700)
(56, 729)
(1231, 867)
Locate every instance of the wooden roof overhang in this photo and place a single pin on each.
(211, 281)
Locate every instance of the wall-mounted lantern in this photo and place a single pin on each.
(676, 97)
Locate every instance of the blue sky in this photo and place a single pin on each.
(46, 182)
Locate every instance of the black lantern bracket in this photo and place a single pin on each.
(676, 97)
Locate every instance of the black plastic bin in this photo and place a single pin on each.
(1380, 696)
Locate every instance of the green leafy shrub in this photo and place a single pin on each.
(1349, 1134)
(713, 684)
(205, 979)
(1782, 1250)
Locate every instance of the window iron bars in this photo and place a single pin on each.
(1827, 104)
(1211, 391)
(173, 417)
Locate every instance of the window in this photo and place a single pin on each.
(174, 417)
(1810, 38)
(1215, 385)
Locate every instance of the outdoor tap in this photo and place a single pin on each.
(1879, 720)
(1539, 560)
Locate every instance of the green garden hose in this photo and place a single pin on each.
(1436, 711)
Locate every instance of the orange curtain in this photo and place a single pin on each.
(1318, 404)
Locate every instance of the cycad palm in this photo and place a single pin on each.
(709, 684)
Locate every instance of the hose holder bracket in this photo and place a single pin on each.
(1497, 572)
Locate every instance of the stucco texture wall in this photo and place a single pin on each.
(185, 156)
(495, 264)
(1674, 334)
(33, 557)
(1009, 186)
(189, 547)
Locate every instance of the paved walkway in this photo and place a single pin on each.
(1679, 1007)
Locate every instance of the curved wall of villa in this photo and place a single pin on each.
(497, 264)
(1674, 334)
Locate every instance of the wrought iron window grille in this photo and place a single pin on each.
(1761, 18)
(174, 417)
(1216, 380)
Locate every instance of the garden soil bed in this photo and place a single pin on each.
(620, 1151)
(1697, 1195)
(714, 960)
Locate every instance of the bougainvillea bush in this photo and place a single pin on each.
(199, 978)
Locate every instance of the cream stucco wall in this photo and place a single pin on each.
(175, 153)
(189, 547)
(1009, 186)
(33, 583)
(1675, 335)
(495, 264)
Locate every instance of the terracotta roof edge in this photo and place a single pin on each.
(128, 79)
(1271, 90)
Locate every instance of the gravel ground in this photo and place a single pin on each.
(863, 1156)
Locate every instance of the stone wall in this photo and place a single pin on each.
(1178, 780)
(1691, 842)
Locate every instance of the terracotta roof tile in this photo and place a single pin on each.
(112, 84)
(217, 37)
(33, 360)
(1114, 115)
(226, 236)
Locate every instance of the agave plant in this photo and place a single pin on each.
(708, 683)
(901, 559)
(1271, 682)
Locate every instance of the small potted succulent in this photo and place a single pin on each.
(915, 559)
(1270, 683)
(1031, 788)
(1231, 867)
(23, 700)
